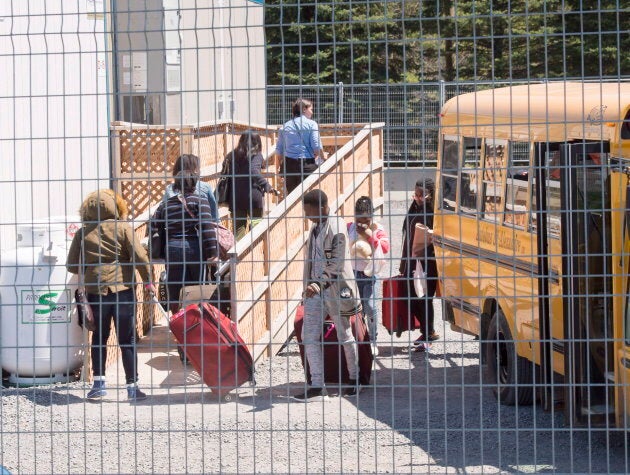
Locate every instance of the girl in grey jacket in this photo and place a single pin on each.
(330, 289)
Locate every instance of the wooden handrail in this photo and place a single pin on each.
(264, 265)
(247, 296)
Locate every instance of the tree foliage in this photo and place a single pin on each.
(369, 41)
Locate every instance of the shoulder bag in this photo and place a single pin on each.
(223, 185)
(225, 237)
(84, 310)
(157, 235)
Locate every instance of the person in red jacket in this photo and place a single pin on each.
(368, 245)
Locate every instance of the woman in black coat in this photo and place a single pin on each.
(248, 186)
(420, 211)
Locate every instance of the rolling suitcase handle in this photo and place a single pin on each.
(202, 291)
(161, 312)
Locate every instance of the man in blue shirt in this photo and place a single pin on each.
(299, 145)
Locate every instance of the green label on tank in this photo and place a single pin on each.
(45, 305)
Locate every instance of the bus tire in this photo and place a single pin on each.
(511, 376)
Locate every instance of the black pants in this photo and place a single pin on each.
(121, 308)
(296, 170)
(423, 307)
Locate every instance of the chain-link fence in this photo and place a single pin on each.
(256, 309)
(410, 112)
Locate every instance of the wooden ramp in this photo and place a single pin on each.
(265, 267)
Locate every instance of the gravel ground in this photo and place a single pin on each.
(426, 412)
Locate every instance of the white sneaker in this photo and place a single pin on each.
(374, 349)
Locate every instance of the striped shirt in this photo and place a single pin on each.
(181, 225)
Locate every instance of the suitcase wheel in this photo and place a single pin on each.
(224, 395)
(182, 356)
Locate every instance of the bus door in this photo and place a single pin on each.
(546, 225)
(587, 284)
(622, 316)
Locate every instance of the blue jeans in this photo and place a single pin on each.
(184, 266)
(121, 308)
(367, 293)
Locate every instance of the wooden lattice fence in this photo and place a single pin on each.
(143, 156)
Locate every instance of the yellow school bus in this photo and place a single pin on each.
(532, 233)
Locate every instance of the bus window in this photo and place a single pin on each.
(552, 159)
(493, 175)
(593, 179)
(450, 167)
(516, 204)
(625, 127)
(470, 175)
(517, 185)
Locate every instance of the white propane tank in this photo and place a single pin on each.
(41, 341)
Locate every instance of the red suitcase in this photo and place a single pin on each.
(335, 368)
(397, 316)
(213, 347)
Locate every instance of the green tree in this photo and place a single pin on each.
(338, 40)
(368, 41)
(596, 37)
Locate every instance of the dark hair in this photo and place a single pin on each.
(427, 184)
(315, 198)
(187, 163)
(248, 145)
(300, 105)
(185, 182)
(364, 207)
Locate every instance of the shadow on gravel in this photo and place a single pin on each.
(265, 398)
(196, 396)
(46, 396)
(447, 412)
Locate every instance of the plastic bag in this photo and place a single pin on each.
(377, 265)
(420, 280)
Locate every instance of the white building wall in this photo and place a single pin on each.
(55, 101)
(54, 145)
(223, 61)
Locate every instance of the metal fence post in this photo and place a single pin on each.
(340, 99)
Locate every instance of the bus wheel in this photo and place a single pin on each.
(511, 376)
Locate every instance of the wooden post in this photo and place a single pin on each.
(233, 259)
(185, 139)
(267, 294)
(379, 135)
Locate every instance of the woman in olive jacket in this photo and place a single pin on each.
(109, 251)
